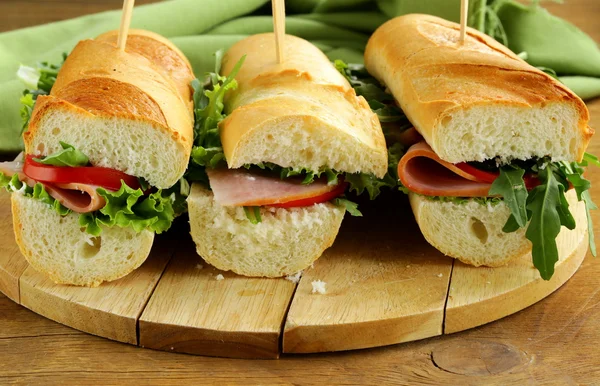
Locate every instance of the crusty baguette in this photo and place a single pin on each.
(300, 114)
(120, 110)
(472, 232)
(285, 242)
(165, 55)
(58, 247)
(475, 101)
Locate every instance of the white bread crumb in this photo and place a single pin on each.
(199, 266)
(440, 275)
(219, 277)
(318, 286)
(295, 278)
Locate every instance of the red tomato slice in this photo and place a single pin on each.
(92, 175)
(531, 181)
(481, 175)
(338, 191)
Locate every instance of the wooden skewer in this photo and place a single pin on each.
(125, 22)
(279, 27)
(464, 13)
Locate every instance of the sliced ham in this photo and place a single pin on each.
(11, 167)
(409, 137)
(80, 198)
(423, 172)
(236, 187)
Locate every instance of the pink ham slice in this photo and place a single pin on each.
(423, 172)
(80, 198)
(236, 187)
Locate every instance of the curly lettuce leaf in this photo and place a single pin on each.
(129, 207)
(208, 112)
(39, 80)
(27, 103)
(124, 208)
(351, 207)
(14, 185)
(68, 156)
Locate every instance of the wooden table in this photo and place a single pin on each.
(556, 341)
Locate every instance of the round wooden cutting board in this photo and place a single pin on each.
(385, 285)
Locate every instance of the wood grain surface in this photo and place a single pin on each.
(478, 295)
(390, 292)
(552, 342)
(193, 312)
(111, 310)
(12, 263)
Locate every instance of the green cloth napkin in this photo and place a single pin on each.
(340, 28)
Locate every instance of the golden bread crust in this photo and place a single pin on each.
(419, 59)
(102, 80)
(305, 91)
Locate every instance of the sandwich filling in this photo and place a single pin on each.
(263, 184)
(533, 189)
(69, 183)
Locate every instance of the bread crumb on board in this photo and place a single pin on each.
(318, 286)
(219, 277)
(199, 266)
(294, 278)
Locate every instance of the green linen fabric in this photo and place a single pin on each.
(340, 28)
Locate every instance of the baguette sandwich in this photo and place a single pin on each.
(107, 141)
(292, 138)
(496, 169)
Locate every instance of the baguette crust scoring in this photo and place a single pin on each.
(434, 79)
(148, 84)
(303, 104)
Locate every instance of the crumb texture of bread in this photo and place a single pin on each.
(61, 249)
(128, 111)
(478, 100)
(284, 242)
(299, 114)
(472, 232)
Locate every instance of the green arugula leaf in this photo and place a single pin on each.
(253, 214)
(582, 186)
(383, 104)
(351, 207)
(589, 205)
(511, 187)
(543, 203)
(590, 158)
(68, 156)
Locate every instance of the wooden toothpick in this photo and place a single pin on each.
(464, 13)
(279, 27)
(125, 22)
